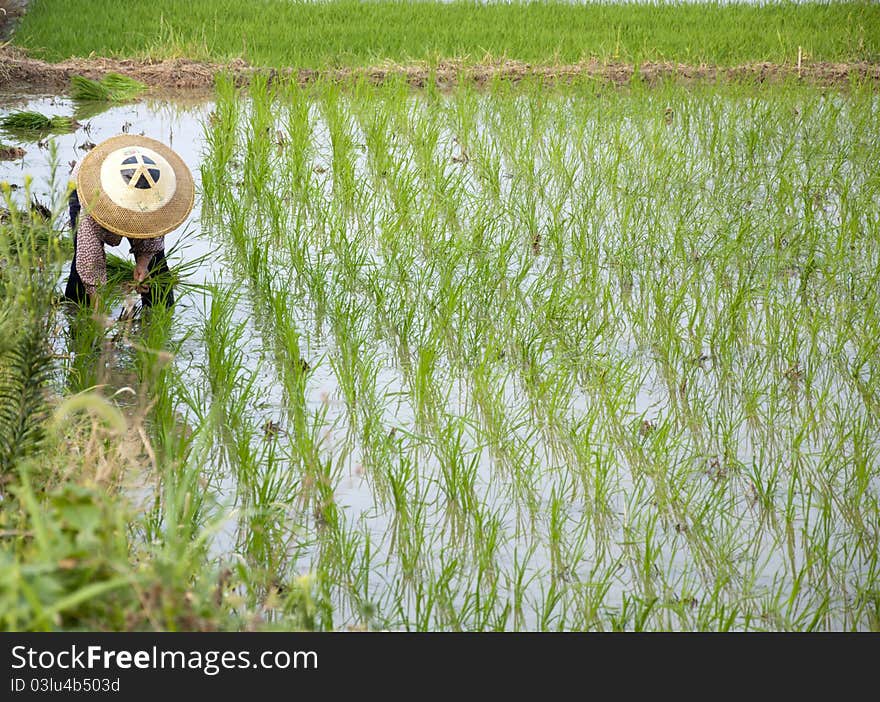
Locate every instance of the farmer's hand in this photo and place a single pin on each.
(140, 269)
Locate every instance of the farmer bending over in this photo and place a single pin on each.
(130, 186)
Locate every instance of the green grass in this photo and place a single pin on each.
(349, 33)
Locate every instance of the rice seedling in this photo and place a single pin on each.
(113, 87)
(29, 123)
(541, 358)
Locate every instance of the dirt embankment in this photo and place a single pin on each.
(18, 72)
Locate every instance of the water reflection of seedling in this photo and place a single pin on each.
(702, 360)
(795, 374)
(129, 307)
(715, 469)
(272, 429)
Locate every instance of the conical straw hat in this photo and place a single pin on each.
(135, 186)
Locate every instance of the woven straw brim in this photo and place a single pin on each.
(120, 220)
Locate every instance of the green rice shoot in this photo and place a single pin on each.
(26, 121)
(113, 87)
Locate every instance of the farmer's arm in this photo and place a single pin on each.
(90, 260)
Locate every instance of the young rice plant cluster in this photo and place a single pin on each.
(530, 359)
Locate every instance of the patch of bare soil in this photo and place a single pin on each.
(18, 72)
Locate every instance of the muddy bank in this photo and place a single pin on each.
(21, 73)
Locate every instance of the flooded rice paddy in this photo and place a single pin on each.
(522, 359)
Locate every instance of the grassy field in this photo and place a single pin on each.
(506, 359)
(354, 33)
